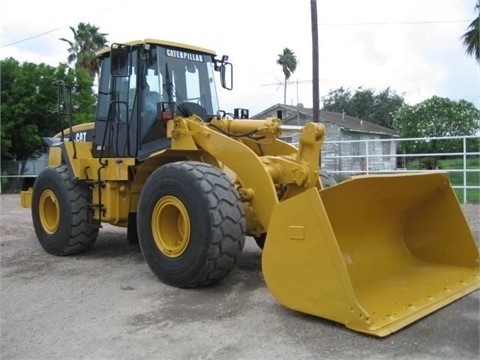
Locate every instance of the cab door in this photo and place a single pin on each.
(115, 125)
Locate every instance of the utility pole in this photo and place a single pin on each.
(315, 80)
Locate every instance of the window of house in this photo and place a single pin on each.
(356, 149)
(371, 147)
(386, 150)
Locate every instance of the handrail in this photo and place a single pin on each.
(370, 163)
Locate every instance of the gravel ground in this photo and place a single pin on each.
(107, 304)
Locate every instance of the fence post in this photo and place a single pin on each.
(465, 170)
(370, 160)
(367, 155)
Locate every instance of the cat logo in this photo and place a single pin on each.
(184, 55)
(81, 136)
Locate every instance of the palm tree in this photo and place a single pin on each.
(87, 40)
(471, 39)
(288, 61)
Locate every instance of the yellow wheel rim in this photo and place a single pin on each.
(49, 211)
(171, 226)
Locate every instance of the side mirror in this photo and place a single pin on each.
(120, 55)
(226, 75)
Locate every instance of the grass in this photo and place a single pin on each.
(457, 178)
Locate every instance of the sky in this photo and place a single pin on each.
(411, 46)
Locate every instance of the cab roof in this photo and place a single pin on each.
(178, 45)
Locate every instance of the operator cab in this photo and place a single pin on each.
(141, 81)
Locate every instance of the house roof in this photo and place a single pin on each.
(346, 122)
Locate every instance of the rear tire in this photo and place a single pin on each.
(60, 212)
(191, 224)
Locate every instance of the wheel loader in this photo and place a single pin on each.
(190, 182)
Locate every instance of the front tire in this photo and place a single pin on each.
(260, 240)
(191, 224)
(60, 212)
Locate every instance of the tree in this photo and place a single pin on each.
(437, 117)
(288, 61)
(365, 104)
(87, 40)
(29, 103)
(471, 38)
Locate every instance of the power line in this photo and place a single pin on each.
(321, 24)
(281, 83)
(30, 38)
(397, 23)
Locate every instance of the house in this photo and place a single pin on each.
(350, 145)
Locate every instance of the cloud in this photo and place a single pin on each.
(411, 46)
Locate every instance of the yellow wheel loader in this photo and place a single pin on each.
(190, 182)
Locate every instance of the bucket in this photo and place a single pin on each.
(375, 253)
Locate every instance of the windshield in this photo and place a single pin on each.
(185, 78)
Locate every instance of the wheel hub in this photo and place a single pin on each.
(49, 211)
(171, 226)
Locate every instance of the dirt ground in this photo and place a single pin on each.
(107, 304)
